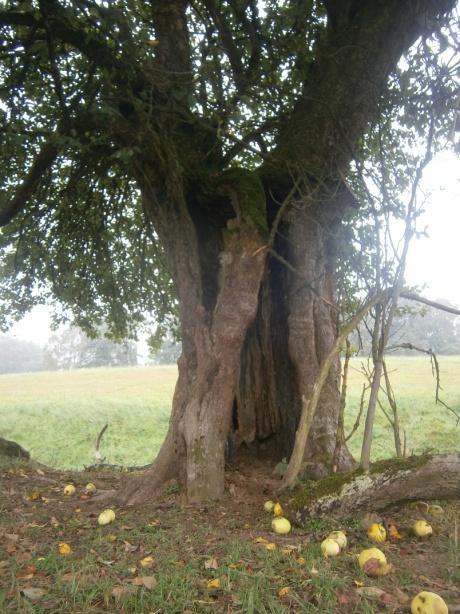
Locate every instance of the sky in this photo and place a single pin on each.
(433, 262)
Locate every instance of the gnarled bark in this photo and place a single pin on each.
(388, 483)
(295, 329)
(216, 311)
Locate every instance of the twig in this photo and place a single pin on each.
(360, 413)
(434, 369)
(97, 454)
(339, 438)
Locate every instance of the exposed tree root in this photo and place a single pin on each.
(144, 487)
(12, 449)
(387, 483)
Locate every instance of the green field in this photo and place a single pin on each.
(57, 415)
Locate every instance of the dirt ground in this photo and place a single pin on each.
(164, 556)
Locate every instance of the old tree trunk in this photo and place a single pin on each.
(257, 307)
(251, 250)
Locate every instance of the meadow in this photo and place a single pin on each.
(57, 415)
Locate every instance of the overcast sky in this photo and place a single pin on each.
(433, 262)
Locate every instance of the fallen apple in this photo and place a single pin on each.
(90, 488)
(428, 603)
(373, 562)
(268, 506)
(281, 525)
(330, 548)
(422, 529)
(106, 517)
(339, 537)
(69, 490)
(435, 510)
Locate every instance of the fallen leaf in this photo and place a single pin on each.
(129, 547)
(64, 549)
(401, 596)
(211, 563)
(147, 581)
(214, 583)
(180, 563)
(393, 532)
(260, 540)
(26, 572)
(373, 592)
(34, 594)
(283, 592)
(147, 562)
(358, 583)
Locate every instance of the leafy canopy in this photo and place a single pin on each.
(84, 94)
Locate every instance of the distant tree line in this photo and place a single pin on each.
(426, 327)
(71, 348)
(17, 356)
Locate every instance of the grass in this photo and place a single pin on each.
(429, 427)
(192, 546)
(57, 415)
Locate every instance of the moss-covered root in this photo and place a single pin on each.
(387, 483)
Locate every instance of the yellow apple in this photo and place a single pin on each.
(281, 525)
(428, 603)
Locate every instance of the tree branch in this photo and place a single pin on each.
(411, 296)
(342, 87)
(42, 163)
(61, 22)
(228, 42)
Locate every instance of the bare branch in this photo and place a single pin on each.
(435, 370)
(360, 413)
(310, 405)
(97, 454)
(411, 296)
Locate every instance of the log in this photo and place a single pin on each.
(387, 483)
(12, 449)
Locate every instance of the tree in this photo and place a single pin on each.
(428, 328)
(73, 349)
(19, 356)
(167, 354)
(208, 144)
